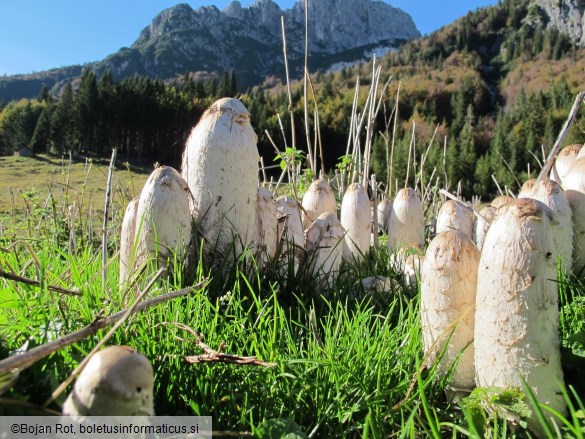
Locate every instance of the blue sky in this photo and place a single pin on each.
(37, 35)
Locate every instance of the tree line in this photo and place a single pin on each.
(474, 135)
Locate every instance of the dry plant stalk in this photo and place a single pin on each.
(106, 214)
(557, 146)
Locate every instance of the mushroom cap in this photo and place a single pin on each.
(117, 380)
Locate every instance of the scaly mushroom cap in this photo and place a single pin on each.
(324, 237)
(220, 165)
(455, 216)
(266, 229)
(356, 221)
(318, 199)
(406, 226)
(517, 315)
(448, 305)
(117, 381)
(565, 161)
(552, 195)
(290, 225)
(501, 200)
(163, 218)
(574, 185)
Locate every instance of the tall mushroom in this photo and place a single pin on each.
(552, 195)
(220, 165)
(117, 381)
(448, 291)
(266, 230)
(127, 236)
(163, 219)
(356, 221)
(517, 315)
(406, 226)
(574, 185)
(290, 229)
(318, 199)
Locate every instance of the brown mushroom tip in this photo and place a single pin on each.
(501, 200)
(527, 208)
(571, 150)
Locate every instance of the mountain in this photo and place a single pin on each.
(248, 40)
(568, 16)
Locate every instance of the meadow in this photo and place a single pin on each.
(339, 361)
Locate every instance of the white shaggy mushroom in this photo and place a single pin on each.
(552, 195)
(323, 243)
(448, 306)
(290, 228)
(453, 215)
(356, 221)
(266, 230)
(117, 381)
(163, 218)
(565, 160)
(517, 316)
(406, 225)
(220, 165)
(384, 210)
(318, 199)
(482, 224)
(574, 185)
(127, 235)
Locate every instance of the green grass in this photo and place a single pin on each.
(347, 364)
(24, 180)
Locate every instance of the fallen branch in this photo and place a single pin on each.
(28, 358)
(213, 356)
(36, 283)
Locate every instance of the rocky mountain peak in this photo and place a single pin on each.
(568, 16)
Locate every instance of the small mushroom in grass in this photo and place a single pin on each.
(117, 381)
(318, 199)
(383, 213)
(406, 226)
(290, 228)
(356, 221)
(266, 228)
(324, 243)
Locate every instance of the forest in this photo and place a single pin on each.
(487, 95)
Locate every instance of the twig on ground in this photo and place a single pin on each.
(216, 356)
(36, 283)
